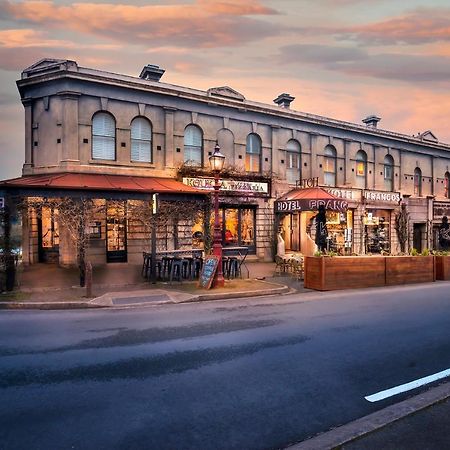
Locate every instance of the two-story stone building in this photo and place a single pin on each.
(91, 132)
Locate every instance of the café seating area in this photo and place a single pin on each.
(290, 264)
(179, 265)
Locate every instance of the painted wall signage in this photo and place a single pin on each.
(255, 187)
(441, 209)
(353, 195)
(307, 182)
(309, 205)
(382, 197)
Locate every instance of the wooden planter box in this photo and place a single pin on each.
(409, 269)
(442, 267)
(325, 273)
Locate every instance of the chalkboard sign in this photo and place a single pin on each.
(209, 269)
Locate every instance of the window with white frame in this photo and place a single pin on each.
(293, 161)
(361, 169)
(141, 140)
(103, 136)
(388, 173)
(193, 145)
(253, 153)
(329, 166)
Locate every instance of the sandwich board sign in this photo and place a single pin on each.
(210, 265)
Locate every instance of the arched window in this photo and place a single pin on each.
(417, 182)
(193, 145)
(293, 161)
(141, 140)
(329, 166)
(447, 185)
(103, 136)
(361, 169)
(253, 153)
(388, 173)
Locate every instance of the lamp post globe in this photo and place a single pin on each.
(216, 161)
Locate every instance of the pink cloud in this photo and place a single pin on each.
(204, 23)
(420, 26)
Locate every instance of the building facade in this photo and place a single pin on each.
(90, 122)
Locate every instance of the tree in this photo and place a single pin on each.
(75, 215)
(401, 227)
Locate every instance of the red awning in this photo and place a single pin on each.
(101, 182)
(309, 199)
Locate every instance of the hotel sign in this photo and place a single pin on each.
(304, 204)
(441, 209)
(239, 186)
(382, 197)
(352, 195)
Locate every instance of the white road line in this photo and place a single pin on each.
(407, 386)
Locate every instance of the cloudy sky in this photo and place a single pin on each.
(344, 59)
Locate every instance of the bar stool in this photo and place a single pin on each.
(176, 269)
(166, 267)
(145, 264)
(187, 267)
(233, 268)
(197, 265)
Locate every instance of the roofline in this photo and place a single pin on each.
(173, 90)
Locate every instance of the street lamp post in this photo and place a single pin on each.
(216, 160)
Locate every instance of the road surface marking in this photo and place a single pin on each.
(407, 386)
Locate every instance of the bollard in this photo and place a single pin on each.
(88, 279)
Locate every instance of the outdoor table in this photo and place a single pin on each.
(241, 253)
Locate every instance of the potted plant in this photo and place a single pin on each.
(442, 260)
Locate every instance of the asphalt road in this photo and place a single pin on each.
(235, 374)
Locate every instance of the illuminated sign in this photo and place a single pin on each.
(310, 205)
(249, 187)
(383, 197)
(347, 194)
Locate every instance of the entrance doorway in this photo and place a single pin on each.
(419, 235)
(116, 233)
(48, 236)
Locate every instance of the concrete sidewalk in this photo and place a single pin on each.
(45, 286)
(418, 423)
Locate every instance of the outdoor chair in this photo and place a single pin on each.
(281, 265)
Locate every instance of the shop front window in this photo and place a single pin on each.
(50, 229)
(376, 231)
(237, 225)
(340, 231)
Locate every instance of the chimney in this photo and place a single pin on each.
(284, 100)
(371, 121)
(151, 72)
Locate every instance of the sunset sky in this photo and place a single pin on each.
(343, 59)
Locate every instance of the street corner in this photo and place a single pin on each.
(146, 297)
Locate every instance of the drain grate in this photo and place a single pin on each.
(141, 299)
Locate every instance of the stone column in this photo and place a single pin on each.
(169, 141)
(274, 158)
(314, 165)
(28, 105)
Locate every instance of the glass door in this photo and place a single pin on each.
(116, 233)
(48, 235)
